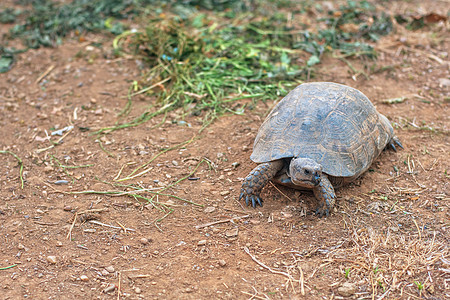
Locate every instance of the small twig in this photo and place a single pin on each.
(253, 296)
(94, 210)
(139, 276)
(350, 261)
(384, 295)
(221, 221)
(280, 191)
(45, 223)
(110, 226)
(43, 75)
(118, 287)
(267, 267)
(302, 279)
(69, 234)
(418, 229)
(123, 227)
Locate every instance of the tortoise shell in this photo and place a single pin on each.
(333, 124)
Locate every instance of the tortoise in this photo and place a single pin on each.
(320, 136)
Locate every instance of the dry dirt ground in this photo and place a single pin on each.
(388, 237)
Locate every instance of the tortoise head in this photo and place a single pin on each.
(305, 172)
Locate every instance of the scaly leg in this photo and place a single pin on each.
(257, 179)
(324, 192)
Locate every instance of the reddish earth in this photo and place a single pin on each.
(388, 237)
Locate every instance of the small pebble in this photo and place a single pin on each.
(59, 244)
(174, 162)
(61, 182)
(209, 209)
(67, 208)
(286, 215)
(137, 290)
(104, 272)
(21, 247)
(48, 169)
(222, 262)
(224, 193)
(51, 259)
(84, 278)
(201, 243)
(144, 241)
(232, 232)
(110, 269)
(444, 82)
(109, 288)
(347, 289)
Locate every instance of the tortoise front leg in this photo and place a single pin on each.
(324, 193)
(257, 179)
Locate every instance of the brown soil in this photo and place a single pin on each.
(389, 230)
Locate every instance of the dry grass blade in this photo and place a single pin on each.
(221, 222)
(267, 267)
(111, 226)
(20, 164)
(133, 175)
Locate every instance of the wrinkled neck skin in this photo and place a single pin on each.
(304, 172)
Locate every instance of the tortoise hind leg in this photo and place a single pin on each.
(257, 179)
(324, 193)
(395, 141)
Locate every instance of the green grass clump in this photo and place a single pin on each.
(47, 22)
(209, 65)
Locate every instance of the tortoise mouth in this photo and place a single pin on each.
(305, 182)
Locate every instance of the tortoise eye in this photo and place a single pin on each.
(306, 171)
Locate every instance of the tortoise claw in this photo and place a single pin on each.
(395, 141)
(393, 146)
(259, 201)
(321, 211)
(251, 199)
(256, 200)
(247, 201)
